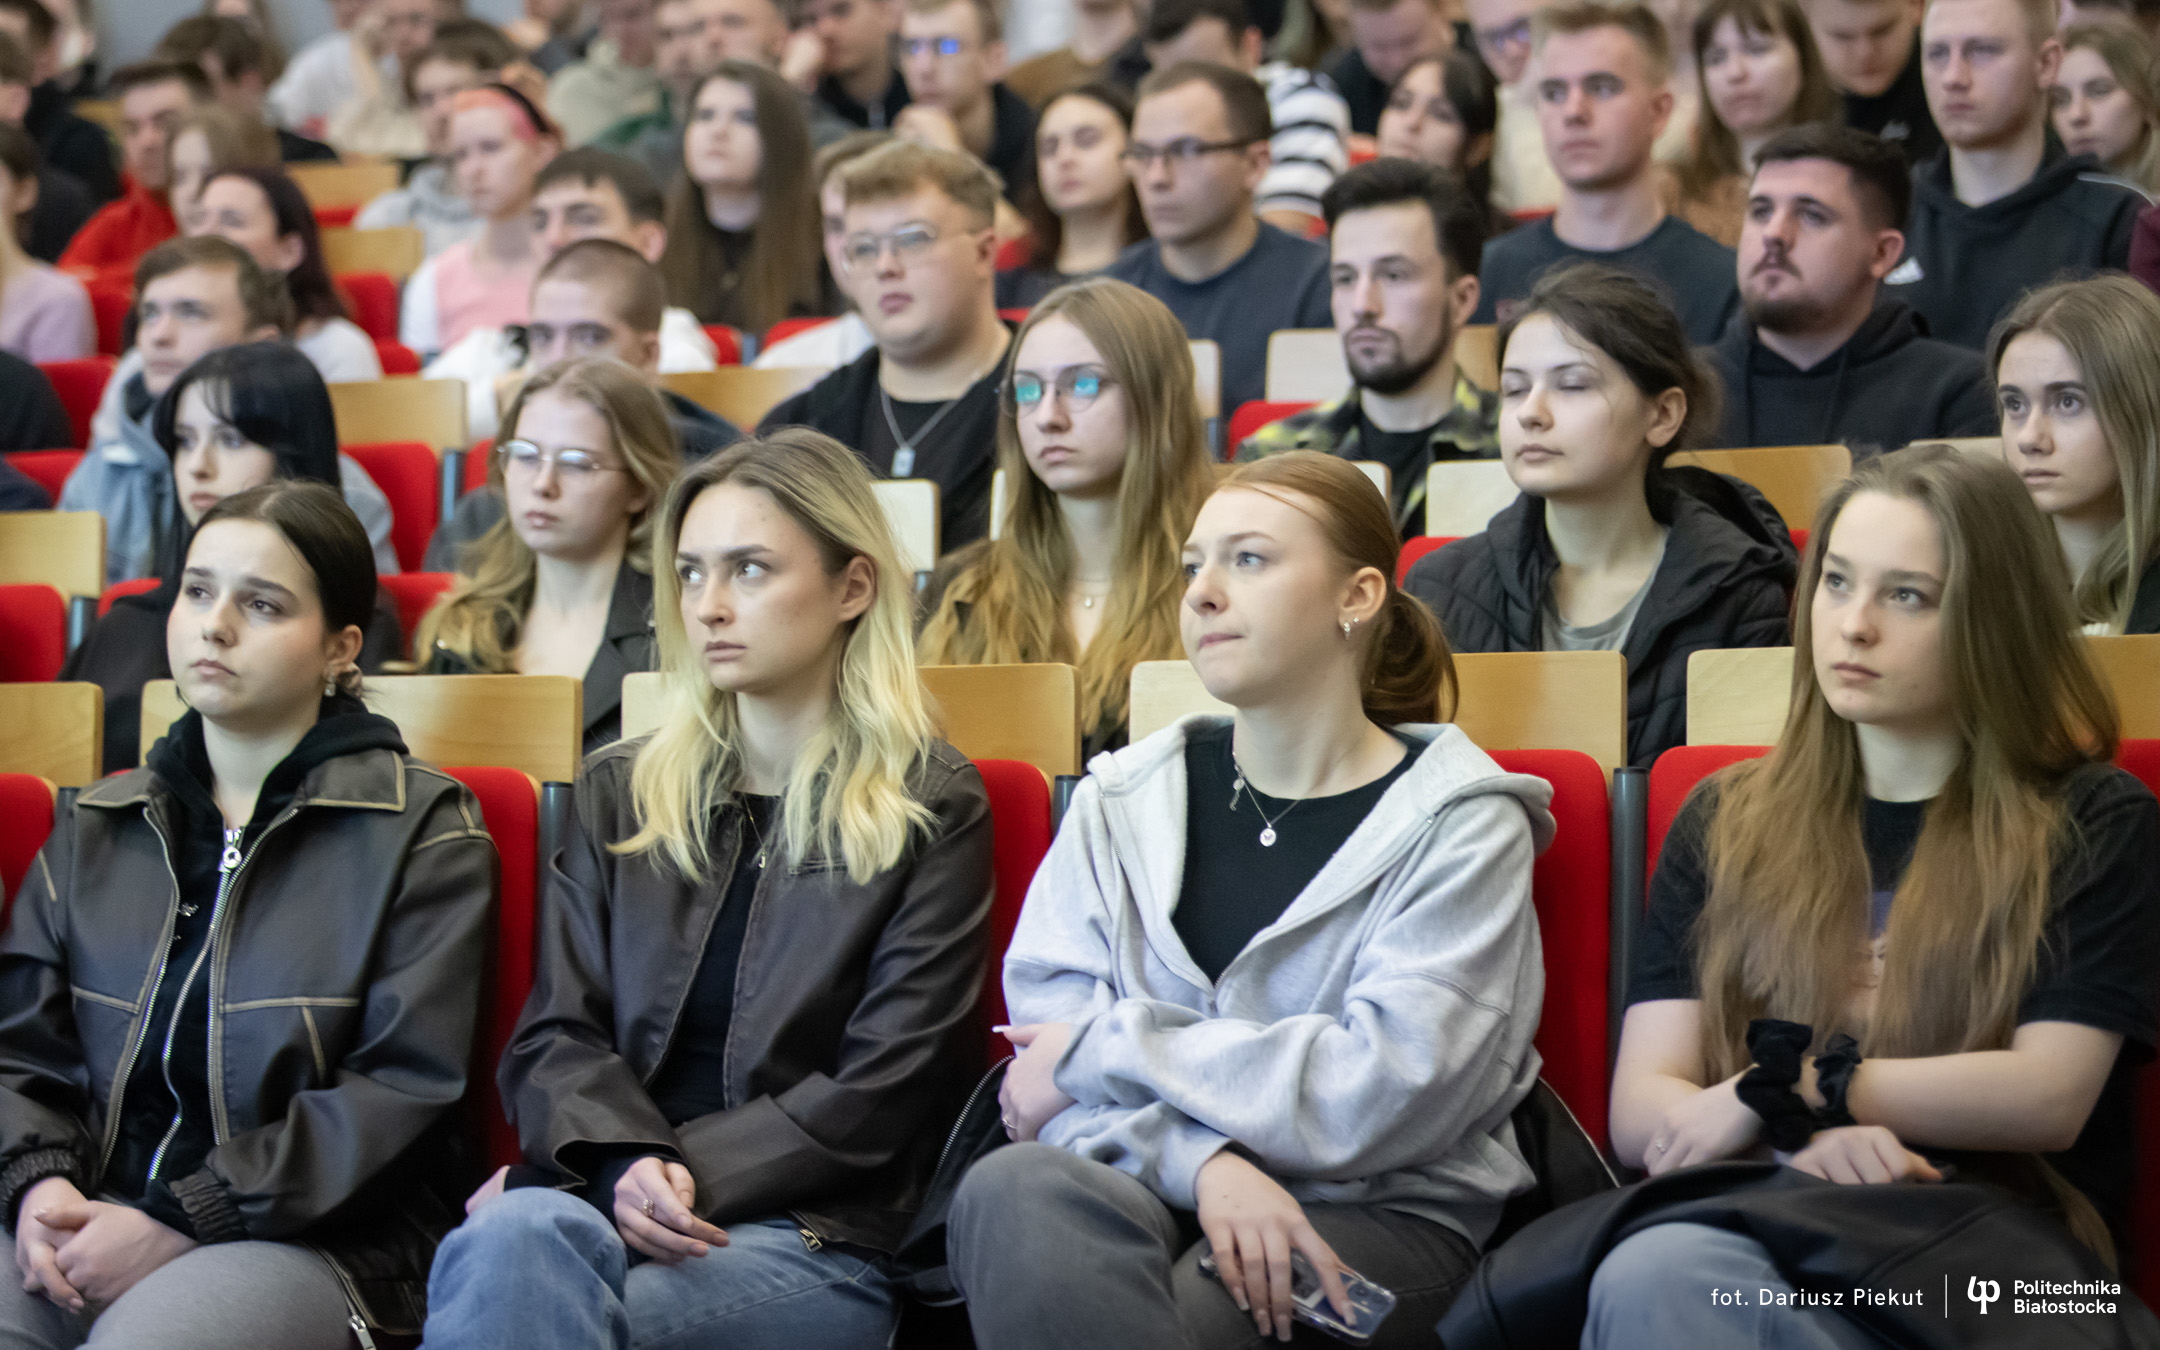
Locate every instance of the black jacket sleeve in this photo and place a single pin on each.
(45, 1103)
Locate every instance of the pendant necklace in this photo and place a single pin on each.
(1267, 825)
(1087, 601)
(751, 816)
(903, 459)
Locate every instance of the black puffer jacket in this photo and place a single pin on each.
(1725, 581)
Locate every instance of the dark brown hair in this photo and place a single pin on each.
(1046, 229)
(1409, 673)
(1715, 153)
(322, 529)
(1245, 105)
(263, 296)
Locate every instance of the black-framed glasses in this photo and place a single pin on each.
(1079, 386)
(1139, 157)
(570, 465)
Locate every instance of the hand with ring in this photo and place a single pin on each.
(653, 1212)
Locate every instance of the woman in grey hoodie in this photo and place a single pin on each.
(1276, 983)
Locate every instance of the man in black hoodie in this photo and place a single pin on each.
(2003, 208)
(1818, 355)
(1872, 50)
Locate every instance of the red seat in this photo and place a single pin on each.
(49, 469)
(727, 344)
(80, 384)
(26, 817)
(397, 358)
(139, 586)
(1414, 549)
(414, 592)
(1015, 315)
(787, 328)
(1799, 539)
(1020, 829)
(1250, 417)
(1675, 774)
(336, 217)
(2143, 759)
(408, 473)
(33, 633)
(373, 299)
(1015, 253)
(1572, 888)
(111, 302)
(477, 461)
(510, 808)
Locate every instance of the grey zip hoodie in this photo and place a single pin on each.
(1365, 1048)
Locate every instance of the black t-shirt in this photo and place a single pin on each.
(1900, 113)
(692, 1080)
(959, 453)
(1407, 454)
(1695, 273)
(2097, 963)
(1234, 885)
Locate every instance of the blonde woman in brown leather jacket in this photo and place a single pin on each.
(759, 956)
(238, 993)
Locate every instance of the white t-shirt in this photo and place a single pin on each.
(831, 345)
(482, 357)
(341, 351)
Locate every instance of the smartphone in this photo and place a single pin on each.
(1369, 1303)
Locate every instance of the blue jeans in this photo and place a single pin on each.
(1655, 1290)
(540, 1268)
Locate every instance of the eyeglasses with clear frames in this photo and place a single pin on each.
(908, 243)
(570, 465)
(924, 46)
(1139, 157)
(1079, 386)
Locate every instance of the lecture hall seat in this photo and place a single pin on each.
(110, 305)
(133, 586)
(33, 633)
(413, 593)
(26, 817)
(1250, 417)
(373, 299)
(1020, 836)
(510, 808)
(1414, 549)
(410, 476)
(727, 344)
(49, 469)
(787, 328)
(397, 358)
(80, 384)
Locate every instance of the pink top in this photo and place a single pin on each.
(463, 301)
(45, 315)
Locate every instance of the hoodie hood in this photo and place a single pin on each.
(1889, 329)
(1933, 186)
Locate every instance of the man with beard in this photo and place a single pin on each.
(1404, 243)
(1817, 355)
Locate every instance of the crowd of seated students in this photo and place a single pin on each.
(1275, 986)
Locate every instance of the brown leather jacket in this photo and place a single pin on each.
(345, 983)
(852, 1042)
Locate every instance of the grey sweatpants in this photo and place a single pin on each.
(223, 1297)
(1057, 1251)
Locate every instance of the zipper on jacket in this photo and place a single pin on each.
(220, 1126)
(142, 1026)
(228, 862)
(952, 1136)
(682, 999)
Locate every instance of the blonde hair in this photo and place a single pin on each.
(2111, 327)
(479, 619)
(899, 168)
(1636, 20)
(847, 793)
(2131, 59)
(1016, 591)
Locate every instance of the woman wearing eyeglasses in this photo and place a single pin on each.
(742, 217)
(562, 585)
(1099, 436)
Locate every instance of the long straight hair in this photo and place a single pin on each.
(2111, 328)
(1046, 228)
(479, 619)
(847, 793)
(1789, 880)
(1016, 595)
(314, 295)
(780, 278)
(2135, 64)
(1715, 153)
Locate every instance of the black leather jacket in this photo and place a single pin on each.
(852, 1042)
(344, 978)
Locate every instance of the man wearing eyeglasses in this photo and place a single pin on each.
(952, 53)
(919, 258)
(1198, 153)
(1602, 73)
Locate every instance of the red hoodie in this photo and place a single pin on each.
(111, 242)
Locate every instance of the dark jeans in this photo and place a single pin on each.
(1053, 1250)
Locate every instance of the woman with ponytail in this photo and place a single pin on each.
(1920, 934)
(1276, 982)
(753, 1017)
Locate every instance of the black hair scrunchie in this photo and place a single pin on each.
(1834, 1069)
(1767, 1088)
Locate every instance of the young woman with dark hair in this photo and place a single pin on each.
(1276, 982)
(760, 950)
(1442, 111)
(742, 217)
(1607, 549)
(1100, 439)
(235, 419)
(1760, 73)
(264, 212)
(1935, 894)
(1084, 211)
(241, 984)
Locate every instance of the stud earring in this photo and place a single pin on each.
(1347, 625)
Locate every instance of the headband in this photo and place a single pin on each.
(527, 122)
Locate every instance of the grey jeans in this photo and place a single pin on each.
(220, 1297)
(1053, 1250)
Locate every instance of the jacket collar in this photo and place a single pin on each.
(367, 780)
(629, 621)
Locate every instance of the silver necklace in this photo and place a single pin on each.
(903, 459)
(1267, 825)
(751, 816)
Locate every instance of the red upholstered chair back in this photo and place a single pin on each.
(727, 344)
(413, 592)
(134, 586)
(1250, 417)
(477, 461)
(373, 299)
(1414, 549)
(409, 475)
(1675, 774)
(110, 304)
(80, 384)
(26, 817)
(510, 807)
(1020, 822)
(1572, 887)
(397, 358)
(49, 469)
(33, 633)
